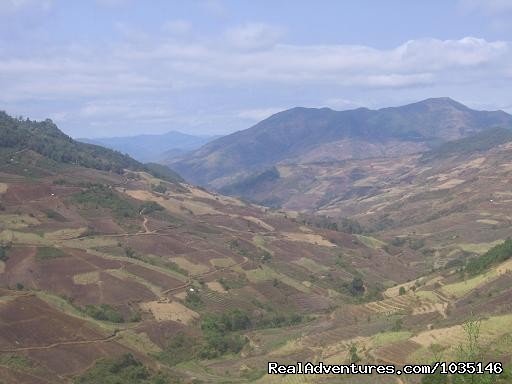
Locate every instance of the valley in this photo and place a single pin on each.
(365, 260)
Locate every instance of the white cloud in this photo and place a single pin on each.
(136, 74)
(159, 65)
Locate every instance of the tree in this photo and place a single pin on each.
(357, 286)
(353, 356)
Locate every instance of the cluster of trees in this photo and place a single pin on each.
(125, 369)
(104, 312)
(46, 139)
(233, 282)
(496, 254)
(221, 335)
(150, 206)
(100, 195)
(342, 225)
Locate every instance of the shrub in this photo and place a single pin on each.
(181, 348)
(357, 286)
(398, 241)
(126, 370)
(160, 188)
(3, 253)
(149, 207)
(233, 283)
(193, 299)
(104, 312)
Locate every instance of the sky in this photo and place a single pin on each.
(102, 68)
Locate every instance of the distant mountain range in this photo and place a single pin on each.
(153, 148)
(308, 135)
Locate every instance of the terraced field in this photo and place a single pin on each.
(96, 264)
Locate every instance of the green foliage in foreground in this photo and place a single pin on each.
(221, 335)
(124, 370)
(496, 254)
(469, 351)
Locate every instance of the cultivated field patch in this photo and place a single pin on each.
(479, 248)
(65, 234)
(216, 286)
(265, 273)
(163, 311)
(16, 237)
(371, 242)
(17, 221)
(86, 278)
(310, 238)
(222, 262)
(311, 265)
(192, 268)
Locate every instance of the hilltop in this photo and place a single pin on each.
(305, 135)
(45, 139)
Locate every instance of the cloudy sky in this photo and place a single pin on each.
(122, 67)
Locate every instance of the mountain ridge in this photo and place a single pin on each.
(292, 133)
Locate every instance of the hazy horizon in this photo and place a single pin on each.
(110, 68)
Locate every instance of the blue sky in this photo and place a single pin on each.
(122, 67)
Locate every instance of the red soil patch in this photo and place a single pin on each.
(56, 276)
(28, 321)
(158, 245)
(310, 302)
(160, 332)
(115, 290)
(154, 277)
(97, 261)
(11, 376)
(105, 226)
(397, 353)
(26, 192)
(74, 359)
